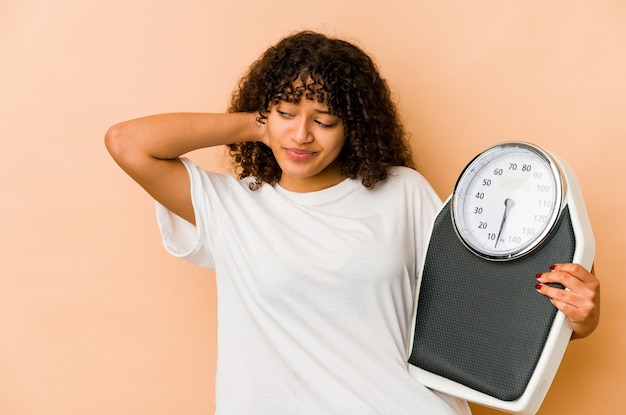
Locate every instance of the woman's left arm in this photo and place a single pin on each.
(580, 302)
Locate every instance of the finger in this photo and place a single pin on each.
(576, 270)
(565, 302)
(557, 294)
(565, 279)
(584, 320)
(573, 313)
(575, 304)
(574, 277)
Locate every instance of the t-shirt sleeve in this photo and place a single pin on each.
(182, 239)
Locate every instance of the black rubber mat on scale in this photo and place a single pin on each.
(481, 323)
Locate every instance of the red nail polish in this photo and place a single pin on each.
(538, 286)
(552, 267)
(538, 276)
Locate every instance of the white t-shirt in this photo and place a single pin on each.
(315, 292)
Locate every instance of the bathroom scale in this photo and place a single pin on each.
(481, 331)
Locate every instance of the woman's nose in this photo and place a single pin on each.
(301, 133)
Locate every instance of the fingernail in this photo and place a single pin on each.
(538, 286)
(538, 276)
(552, 267)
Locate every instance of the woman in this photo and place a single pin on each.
(315, 244)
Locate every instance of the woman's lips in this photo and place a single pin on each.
(299, 154)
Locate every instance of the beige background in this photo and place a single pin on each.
(95, 318)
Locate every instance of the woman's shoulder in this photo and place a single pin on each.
(407, 174)
(411, 182)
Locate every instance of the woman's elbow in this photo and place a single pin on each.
(116, 141)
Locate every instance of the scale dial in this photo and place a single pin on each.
(507, 200)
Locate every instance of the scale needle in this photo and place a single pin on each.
(508, 204)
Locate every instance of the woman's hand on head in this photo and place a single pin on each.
(580, 301)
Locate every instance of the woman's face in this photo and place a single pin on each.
(306, 141)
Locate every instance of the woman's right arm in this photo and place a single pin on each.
(148, 150)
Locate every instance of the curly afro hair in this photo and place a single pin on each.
(329, 70)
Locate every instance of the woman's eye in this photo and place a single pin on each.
(283, 113)
(324, 124)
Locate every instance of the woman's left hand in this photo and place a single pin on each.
(580, 302)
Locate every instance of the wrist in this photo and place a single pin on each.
(258, 129)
